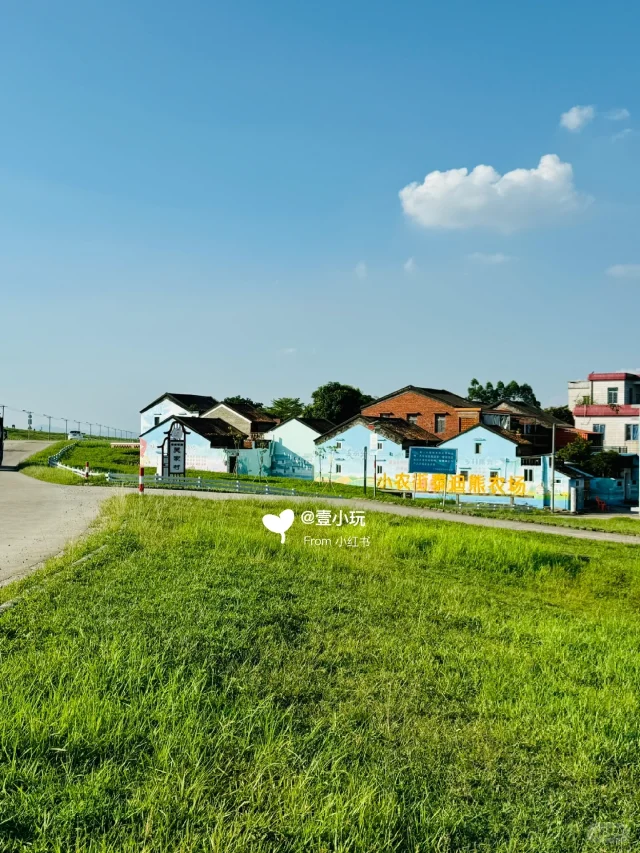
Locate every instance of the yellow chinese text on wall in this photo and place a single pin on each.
(473, 484)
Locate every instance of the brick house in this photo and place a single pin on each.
(434, 409)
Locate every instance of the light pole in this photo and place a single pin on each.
(553, 468)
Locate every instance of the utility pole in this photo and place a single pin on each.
(553, 468)
(365, 469)
(66, 426)
(49, 435)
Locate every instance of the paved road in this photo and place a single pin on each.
(16, 451)
(37, 519)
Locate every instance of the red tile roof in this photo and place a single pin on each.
(604, 377)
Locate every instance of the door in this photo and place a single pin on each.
(233, 464)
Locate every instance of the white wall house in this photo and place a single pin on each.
(609, 404)
(293, 448)
(187, 405)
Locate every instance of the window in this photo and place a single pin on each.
(494, 474)
(612, 396)
(528, 475)
(478, 447)
(156, 420)
(386, 414)
(338, 469)
(598, 428)
(531, 460)
(465, 474)
(338, 445)
(631, 432)
(413, 418)
(379, 445)
(379, 469)
(441, 423)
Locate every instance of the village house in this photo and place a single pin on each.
(497, 465)
(385, 443)
(436, 410)
(211, 445)
(534, 424)
(252, 422)
(293, 448)
(184, 405)
(608, 404)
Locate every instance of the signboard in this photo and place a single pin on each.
(432, 460)
(373, 441)
(174, 451)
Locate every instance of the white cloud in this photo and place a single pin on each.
(621, 114)
(624, 271)
(617, 137)
(361, 270)
(576, 118)
(483, 198)
(410, 266)
(488, 258)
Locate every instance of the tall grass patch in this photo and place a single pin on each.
(196, 685)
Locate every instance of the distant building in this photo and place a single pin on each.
(211, 445)
(184, 405)
(293, 449)
(497, 465)
(341, 450)
(436, 410)
(608, 404)
(253, 422)
(534, 424)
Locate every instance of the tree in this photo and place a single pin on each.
(579, 452)
(242, 401)
(337, 402)
(563, 413)
(491, 395)
(286, 407)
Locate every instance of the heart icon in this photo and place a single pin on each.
(279, 523)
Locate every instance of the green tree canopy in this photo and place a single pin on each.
(337, 402)
(286, 407)
(490, 394)
(242, 401)
(579, 452)
(563, 413)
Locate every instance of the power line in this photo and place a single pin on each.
(50, 418)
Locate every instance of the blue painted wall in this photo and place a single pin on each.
(341, 458)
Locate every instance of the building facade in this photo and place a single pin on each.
(211, 445)
(436, 410)
(293, 449)
(608, 404)
(182, 405)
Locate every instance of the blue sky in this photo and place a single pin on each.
(204, 197)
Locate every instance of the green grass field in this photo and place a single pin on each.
(195, 685)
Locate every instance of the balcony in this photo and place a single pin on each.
(627, 447)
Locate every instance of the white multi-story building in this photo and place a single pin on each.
(608, 403)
